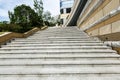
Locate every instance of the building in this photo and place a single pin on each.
(65, 9)
(99, 18)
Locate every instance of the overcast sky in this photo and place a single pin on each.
(5, 5)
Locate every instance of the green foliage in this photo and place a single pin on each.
(38, 6)
(25, 17)
(47, 16)
(4, 22)
(10, 28)
(49, 20)
(11, 17)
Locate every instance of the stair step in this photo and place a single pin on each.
(52, 62)
(56, 48)
(61, 77)
(52, 43)
(67, 46)
(57, 41)
(67, 55)
(63, 70)
(33, 38)
(61, 65)
(46, 39)
(58, 58)
(57, 51)
(62, 44)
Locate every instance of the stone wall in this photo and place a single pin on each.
(101, 18)
(11, 35)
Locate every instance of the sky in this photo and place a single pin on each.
(5, 5)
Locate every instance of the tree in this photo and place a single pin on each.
(49, 19)
(47, 16)
(24, 16)
(57, 19)
(11, 17)
(38, 6)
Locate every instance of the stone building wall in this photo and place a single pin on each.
(101, 18)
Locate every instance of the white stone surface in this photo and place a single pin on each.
(58, 54)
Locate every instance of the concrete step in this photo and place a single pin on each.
(57, 44)
(55, 41)
(60, 56)
(61, 37)
(59, 61)
(61, 34)
(61, 65)
(57, 38)
(34, 62)
(53, 47)
(56, 51)
(37, 38)
(50, 42)
(63, 70)
(62, 77)
(56, 48)
(41, 39)
(59, 49)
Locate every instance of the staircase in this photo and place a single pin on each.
(58, 54)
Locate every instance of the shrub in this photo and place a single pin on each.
(10, 28)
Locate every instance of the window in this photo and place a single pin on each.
(66, 3)
(68, 10)
(61, 11)
(61, 21)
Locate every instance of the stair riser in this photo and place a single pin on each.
(62, 77)
(61, 51)
(53, 52)
(33, 45)
(67, 55)
(47, 38)
(65, 62)
(27, 42)
(57, 42)
(58, 66)
(59, 58)
(54, 71)
(40, 39)
(51, 43)
(56, 49)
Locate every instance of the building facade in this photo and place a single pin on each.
(99, 18)
(65, 9)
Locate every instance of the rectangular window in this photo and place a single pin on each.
(61, 21)
(68, 10)
(61, 11)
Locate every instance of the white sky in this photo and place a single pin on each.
(5, 5)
